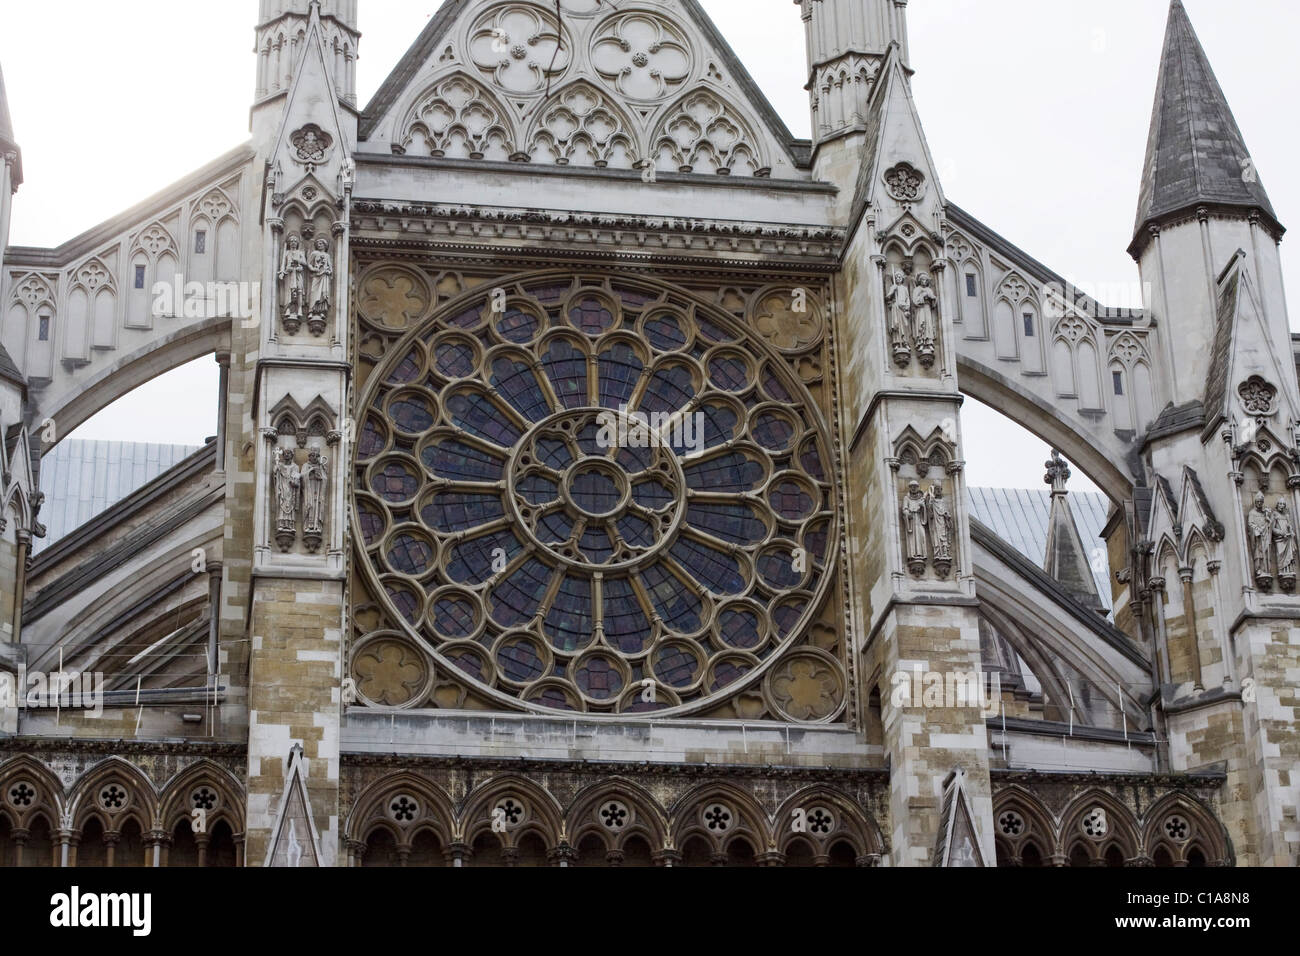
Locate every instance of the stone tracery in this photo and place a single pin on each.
(598, 497)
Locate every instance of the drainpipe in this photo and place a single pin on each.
(20, 587)
(223, 396)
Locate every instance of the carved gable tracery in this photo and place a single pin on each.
(621, 89)
(459, 119)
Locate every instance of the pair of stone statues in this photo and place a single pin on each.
(928, 529)
(305, 297)
(1272, 544)
(294, 486)
(912, 318)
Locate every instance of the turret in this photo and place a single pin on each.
(1201, 200)
(281, 29)
(847, 40)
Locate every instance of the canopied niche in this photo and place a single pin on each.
(302, 474)
(912, 282)
(927, 486)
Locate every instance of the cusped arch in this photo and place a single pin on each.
(582, 126)
(114, 791)
(598, 810)
(1180, 823)
(797, 819)
(541, 814)
(719, 813)
(705, 131)
(32, 291)
(28, 788)
(1081, 826)
(455, 114)
(405, 804)
(183, 793)
(215, 206)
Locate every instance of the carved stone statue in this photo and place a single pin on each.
(293, 273)
(286, 488)
(941, 530)
(924, 305)
(314, 477)
(1260, 525)
(1284, 546)
(321, 266)
(898, 306)
(916, 523)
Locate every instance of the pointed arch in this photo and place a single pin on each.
(180, 793)
(581, 126)
(213, 248)
(379, 805)
(648, 820)
(1021, 821)
(1164, 823)
(542, 816)
(704, 132)
(113, 791)
(458, 117)
(719, 813)
(1119, 827)
(22, 774)
(848, 823)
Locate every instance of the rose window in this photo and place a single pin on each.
(593, 495)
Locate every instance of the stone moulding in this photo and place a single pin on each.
(653, 234)
(526, 765)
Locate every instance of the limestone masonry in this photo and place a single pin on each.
(415, 606)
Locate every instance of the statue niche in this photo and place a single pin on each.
(314, 502)
(321, 266)
(911, 307)
(926, 476)
(286, 488)
(306, 283)
(1272, 543)
(299, 492)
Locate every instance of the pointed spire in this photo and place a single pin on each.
(1067, 559)
(1196, 155)
(6, 124)
(8, 144)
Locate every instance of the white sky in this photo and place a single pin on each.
(1036, 112)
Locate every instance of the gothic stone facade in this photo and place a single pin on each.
(415, 606)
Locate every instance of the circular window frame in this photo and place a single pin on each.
(705, 321)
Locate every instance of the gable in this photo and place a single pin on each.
(623, 89)
(1249, 378)
(898, 174)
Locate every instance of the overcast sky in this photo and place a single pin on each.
(1036, 113)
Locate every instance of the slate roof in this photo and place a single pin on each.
(9, 371)
(1216, 382)
(83, 478)
(1195, 152)
(1021, 517)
